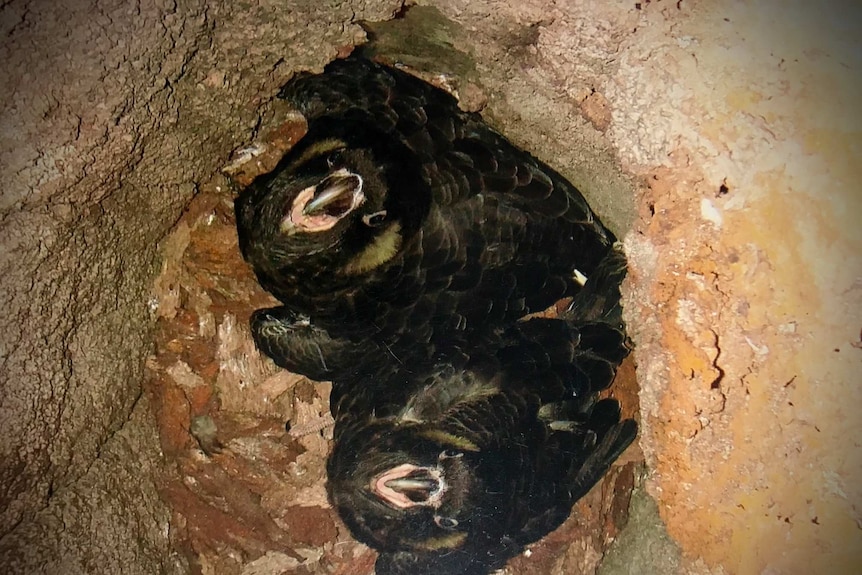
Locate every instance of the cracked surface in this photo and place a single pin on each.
(740, 119)
(744, 288)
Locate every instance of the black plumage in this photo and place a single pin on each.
(408, 241)
(453, 467)
(400, 221)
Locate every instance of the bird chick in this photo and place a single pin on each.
(453, 466)
(487, 454)
(402, 219)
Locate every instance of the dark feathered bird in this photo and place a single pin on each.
(406, 238)
(455, 466)
(401, 219)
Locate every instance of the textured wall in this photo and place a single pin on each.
(742, 120)
(748, 254)
(112, 114)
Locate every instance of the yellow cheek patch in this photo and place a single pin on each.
(450, 541)
(449, 439)
(378, 252)
(315, 150)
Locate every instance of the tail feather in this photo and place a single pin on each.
(612, 438)
(599, 300)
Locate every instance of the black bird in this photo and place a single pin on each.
(455, 466)
(399, 221)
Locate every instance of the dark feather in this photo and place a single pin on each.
(475, 229)
(524, 434)
(513, 427)
(463, 432)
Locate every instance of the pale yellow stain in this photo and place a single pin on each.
(786, 485)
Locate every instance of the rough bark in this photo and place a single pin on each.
(112, 114)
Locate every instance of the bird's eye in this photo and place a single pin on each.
(445, 522)
(450, 454)
(333, 158)
(375, 219)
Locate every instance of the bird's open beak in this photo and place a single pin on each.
(407, 485)
(418, 486)
(319, 207)
(335, 196)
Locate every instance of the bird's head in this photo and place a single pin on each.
(328, 206)
(409, 487)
